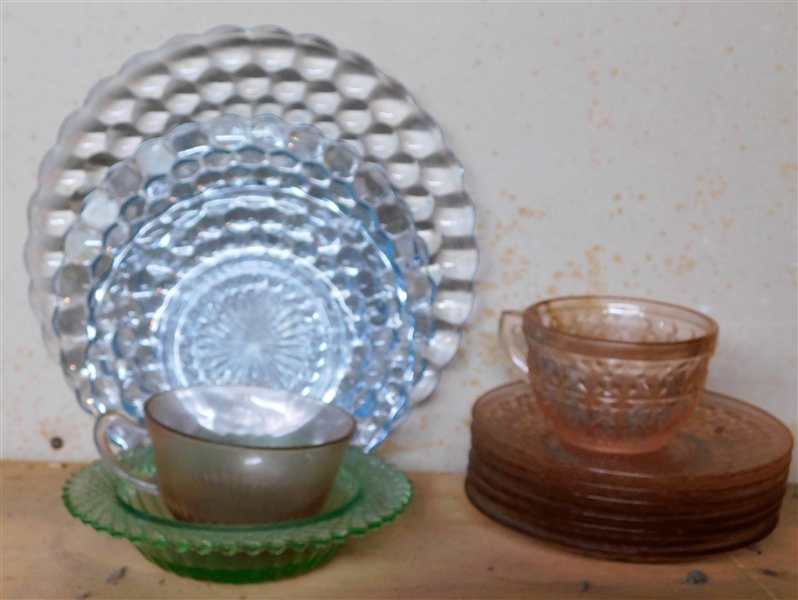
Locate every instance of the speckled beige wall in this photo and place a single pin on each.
(645, 149)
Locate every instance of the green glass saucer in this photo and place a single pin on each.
(368, 493)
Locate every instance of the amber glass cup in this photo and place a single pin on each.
(233, 455)
(613, 374)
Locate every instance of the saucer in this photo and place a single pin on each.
(725, 443)
(633, 499)
(717, 485)
(613, 504)
(721, 518)
(368, 493)
(597, 545)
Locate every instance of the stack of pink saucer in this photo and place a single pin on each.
(717, 485)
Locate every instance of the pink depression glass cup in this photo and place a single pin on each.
(613, 374)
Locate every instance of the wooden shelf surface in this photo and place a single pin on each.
(442, 547)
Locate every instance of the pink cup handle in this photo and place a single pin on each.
(511, 337)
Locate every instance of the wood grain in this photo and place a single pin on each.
(442, 547)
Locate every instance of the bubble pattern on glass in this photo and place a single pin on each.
(264, 70)
(195, 160)
(238, 294)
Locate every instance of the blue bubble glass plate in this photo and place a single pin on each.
(238, 252)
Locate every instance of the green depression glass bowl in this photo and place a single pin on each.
(368, 493)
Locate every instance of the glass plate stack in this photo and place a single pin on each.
(716, 486)
(171, 245)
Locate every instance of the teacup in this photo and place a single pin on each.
(612, 374)
(234, 455)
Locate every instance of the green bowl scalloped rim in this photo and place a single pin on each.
(369, 493)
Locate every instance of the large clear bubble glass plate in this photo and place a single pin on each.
(264, 70)
(217, 250)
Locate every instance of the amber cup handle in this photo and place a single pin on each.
(132, 435)
(511, 337)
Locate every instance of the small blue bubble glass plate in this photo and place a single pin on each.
(238, 251)
(368, 493)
